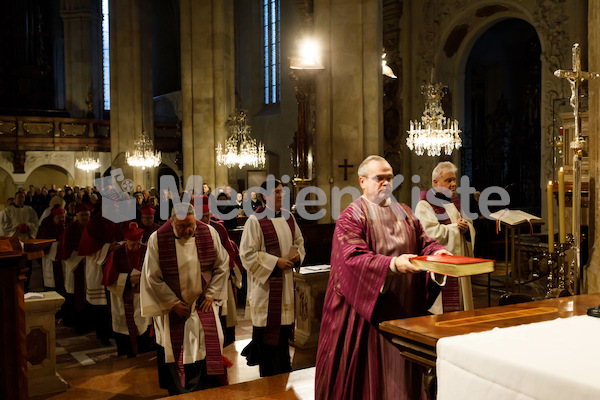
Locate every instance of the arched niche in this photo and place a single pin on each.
(165, 170)
(456, 29)
(502, 124)
(49, 175)
(454, 32)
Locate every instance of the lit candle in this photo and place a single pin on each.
(550, 219)
(562, 229)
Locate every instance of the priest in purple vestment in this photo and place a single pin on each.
(372, 280)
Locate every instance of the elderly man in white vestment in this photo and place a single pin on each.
(183, 277)
(439, 210)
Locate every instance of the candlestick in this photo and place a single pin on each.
(562, 223)
(550, 219)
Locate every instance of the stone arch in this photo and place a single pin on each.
(502, 128)
(48, 175)
(456, 27)
(64, 160)
(454, 32)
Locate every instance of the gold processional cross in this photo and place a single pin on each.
(576, 77)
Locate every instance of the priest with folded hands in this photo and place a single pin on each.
(183, 277)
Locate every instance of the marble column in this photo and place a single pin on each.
(207, 85)
(82, 22)
(349, 119)
(592, 273)
(131, 92)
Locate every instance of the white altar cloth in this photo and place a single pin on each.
(558, 359)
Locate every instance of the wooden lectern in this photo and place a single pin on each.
(13, 351)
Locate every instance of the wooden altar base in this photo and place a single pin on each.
(417, 337)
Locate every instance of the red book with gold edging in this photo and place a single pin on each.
(454, 265)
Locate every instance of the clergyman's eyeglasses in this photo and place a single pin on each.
(381, 178)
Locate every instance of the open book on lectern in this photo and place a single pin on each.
(514, 217)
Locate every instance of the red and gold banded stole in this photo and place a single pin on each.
(170, 270)
(126, 261)
(273, 327)
(450, 293)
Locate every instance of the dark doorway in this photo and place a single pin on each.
(502, 108)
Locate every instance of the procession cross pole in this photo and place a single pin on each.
(576, 77)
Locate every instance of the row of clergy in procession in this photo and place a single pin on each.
(172, 286)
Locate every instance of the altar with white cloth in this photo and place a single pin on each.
(539, 346)
(558, 359)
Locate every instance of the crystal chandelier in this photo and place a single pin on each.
(143, 155)
(87, 162)
(240, 149)
(435, 131)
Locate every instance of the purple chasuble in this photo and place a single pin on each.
(169, 267)
(273, 327)
(450, 292)
(354, 361)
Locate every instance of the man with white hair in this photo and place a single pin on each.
(183, 277)
(440, 213)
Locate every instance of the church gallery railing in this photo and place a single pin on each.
(31, 133)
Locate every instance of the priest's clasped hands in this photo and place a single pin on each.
(463, 225)
(182, 309)
(285, 264)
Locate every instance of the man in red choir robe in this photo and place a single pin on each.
(183, 277)
(74, 269)
(229, 308)
(52, 227)
(122, 277)
(372, 280)
(147, 221)
(99, 237)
